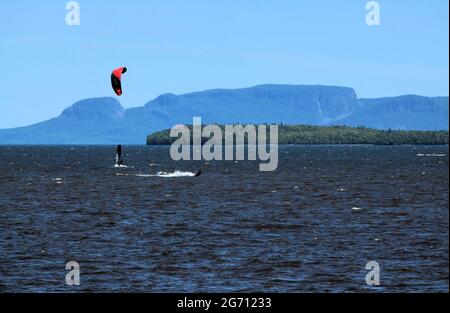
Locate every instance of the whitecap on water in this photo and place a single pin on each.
(162, 174)
(122, 166)
(431, 154)
(356, 209)
(175, 174)
(57, 180)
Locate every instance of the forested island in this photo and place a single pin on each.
(332, 135)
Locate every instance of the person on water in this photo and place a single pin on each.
(198, 173)
(119, 160)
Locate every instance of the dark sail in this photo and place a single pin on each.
(119, 155)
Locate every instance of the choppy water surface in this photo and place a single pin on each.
(147, 228)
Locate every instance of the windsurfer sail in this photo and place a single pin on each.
(119, 160)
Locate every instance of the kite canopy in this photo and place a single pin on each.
(116, 79)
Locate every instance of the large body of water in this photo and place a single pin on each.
(231, 229)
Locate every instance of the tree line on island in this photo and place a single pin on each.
(331, 135)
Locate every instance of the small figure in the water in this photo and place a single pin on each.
(119, 160)
(199, 172)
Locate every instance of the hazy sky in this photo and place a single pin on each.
(191, 45)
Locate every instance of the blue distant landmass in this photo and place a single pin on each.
(105, 121)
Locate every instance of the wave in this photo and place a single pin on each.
(162, 174)
(432, 154)
(173, 174)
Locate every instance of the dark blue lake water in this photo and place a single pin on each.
(231, 229)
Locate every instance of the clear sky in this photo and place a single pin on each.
(192, 45)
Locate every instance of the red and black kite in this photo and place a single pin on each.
(116, 79)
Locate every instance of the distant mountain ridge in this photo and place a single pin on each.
(105, 121)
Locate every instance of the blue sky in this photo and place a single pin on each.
(191, 45)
